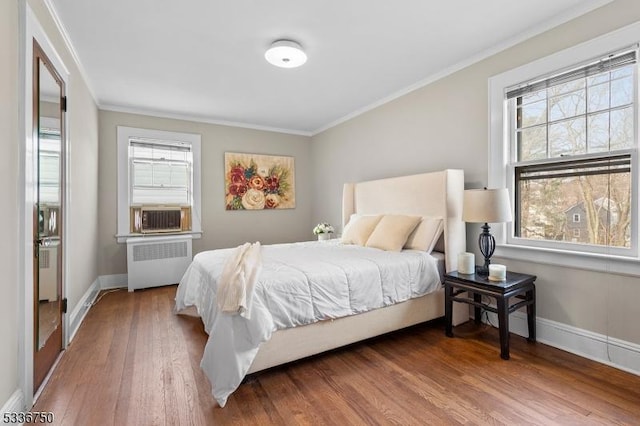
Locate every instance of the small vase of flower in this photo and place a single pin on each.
(323, 231)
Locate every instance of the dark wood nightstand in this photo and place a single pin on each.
(519, 286)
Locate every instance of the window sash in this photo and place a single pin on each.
(591, 165)
(541, 134)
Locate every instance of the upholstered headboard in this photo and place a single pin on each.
(436, 194)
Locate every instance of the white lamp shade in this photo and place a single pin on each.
(486, 206)
(285, 54)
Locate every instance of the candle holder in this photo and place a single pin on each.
(466, 263)
(497, 272)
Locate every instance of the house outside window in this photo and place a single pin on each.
(158, 182)
(564, 141)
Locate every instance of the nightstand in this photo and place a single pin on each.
(517, 286)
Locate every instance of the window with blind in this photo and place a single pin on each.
(573, 141)
(158, 182)
(160, 173)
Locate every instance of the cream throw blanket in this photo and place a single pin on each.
(239, 276)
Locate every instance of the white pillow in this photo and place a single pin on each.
(392, 232)
(359, 229)
(426, 234)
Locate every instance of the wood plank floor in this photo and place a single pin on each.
(133, 362)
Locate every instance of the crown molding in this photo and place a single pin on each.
(69, 45)
(198, 119)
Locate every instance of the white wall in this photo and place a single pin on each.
(221, 228)
(445, 125)
(9, 214)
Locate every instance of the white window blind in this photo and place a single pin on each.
(161, 172)
(49, 168)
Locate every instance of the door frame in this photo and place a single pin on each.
(30, 29)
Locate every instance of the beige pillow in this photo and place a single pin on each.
(426, 234)
(359, 228)
(392, 232)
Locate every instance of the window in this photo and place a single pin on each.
(564, 141)
(158, 182)
(49, 171)
(160, 172)
(571, 138)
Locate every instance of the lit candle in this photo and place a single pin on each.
(497, 272)
(466, 263)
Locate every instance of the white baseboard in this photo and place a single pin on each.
(597, 347)
(113, 281)
(81, 308)
(15, 404)
(103, 282)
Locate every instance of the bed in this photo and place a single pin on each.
(342, 312)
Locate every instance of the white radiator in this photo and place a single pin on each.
(155, 261)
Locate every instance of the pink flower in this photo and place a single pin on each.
(239, 188)
(273, 182)
(271, 201)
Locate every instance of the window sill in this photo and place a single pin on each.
(122, 238)
(579, 260)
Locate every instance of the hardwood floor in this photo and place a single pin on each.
(133, 362)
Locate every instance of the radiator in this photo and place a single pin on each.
(155, 261)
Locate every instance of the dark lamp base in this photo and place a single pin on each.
(482, 270)
(487, 246)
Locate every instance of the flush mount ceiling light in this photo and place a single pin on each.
(285, 54)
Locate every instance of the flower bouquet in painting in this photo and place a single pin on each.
(258, 182)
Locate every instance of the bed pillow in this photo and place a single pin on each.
(426, 234)
(359, 229)
(392, 231)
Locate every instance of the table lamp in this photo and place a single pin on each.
(486, 206)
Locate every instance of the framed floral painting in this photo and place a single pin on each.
(258, 182)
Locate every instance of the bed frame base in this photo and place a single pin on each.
(295, 343)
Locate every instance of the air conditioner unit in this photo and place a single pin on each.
(161, 219)
(157, 260)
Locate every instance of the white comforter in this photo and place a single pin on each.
(299, 284)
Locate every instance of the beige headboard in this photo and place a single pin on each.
(428, 194)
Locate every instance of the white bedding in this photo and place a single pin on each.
(299, 284)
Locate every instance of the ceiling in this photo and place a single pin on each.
(204, 59)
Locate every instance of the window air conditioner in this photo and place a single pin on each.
(160, 219)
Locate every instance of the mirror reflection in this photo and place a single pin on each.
(48, 204)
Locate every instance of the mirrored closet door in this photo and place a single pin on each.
(48, 138)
